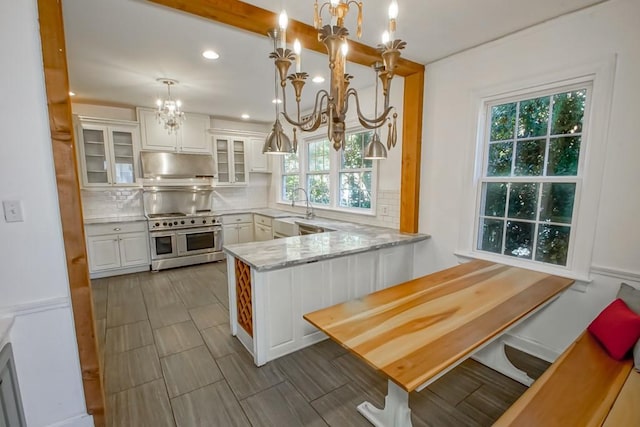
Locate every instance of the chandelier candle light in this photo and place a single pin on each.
(169, 111)
(332, 105)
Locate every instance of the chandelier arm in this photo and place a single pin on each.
(366, 122)
(320, 96)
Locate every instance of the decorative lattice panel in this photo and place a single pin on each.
(243, 296)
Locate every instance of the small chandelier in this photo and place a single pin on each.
(331, 106)
(169, 111)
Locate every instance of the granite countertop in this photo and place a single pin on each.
(114, 218)
(347, 238)
(272, 213)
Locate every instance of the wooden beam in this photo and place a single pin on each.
(411, 150)
(64, 156)
(257, 20)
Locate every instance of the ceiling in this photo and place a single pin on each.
(117, 49)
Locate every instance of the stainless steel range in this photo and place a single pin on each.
(178, 239)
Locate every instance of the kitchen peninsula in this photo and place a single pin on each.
(273, 283)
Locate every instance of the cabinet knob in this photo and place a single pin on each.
(116, 229)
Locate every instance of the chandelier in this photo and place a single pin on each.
(332, 105)
(169, 112)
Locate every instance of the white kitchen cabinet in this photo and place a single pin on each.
(11, 413)
(117, 248)
(191, 136)
(237, 229)
(263, 228)
(108, 152)
(231, 158)
(258, 161)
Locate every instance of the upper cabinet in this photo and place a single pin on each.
(230, 154)
(108, 152)
(191, 137)
(258, 161)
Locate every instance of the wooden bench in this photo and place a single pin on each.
(584, 387)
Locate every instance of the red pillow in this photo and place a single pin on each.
(617, 328)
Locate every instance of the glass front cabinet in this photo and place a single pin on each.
(108, 152)
(231, 159)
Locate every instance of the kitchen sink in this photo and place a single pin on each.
(304, 229)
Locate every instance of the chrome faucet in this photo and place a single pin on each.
(309, 213)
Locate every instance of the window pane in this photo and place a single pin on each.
(355, 190)
(353, 153)
(557, 202)
(289, 184)
(534, 117)
(523, 200)
(495, 199)
(529, 158)
(568, 112)
(318, 159)
(503, 121)
(499, 163)
(563, 156)
(318, 187)
(491, 235)
(519, 239)
(553, 244)
(290, 163)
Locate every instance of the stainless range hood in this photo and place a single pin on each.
(176, 165)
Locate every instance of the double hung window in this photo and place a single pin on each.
(532, 175)
(334, 179)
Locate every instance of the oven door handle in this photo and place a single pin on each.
(198, 230)
(167, 233)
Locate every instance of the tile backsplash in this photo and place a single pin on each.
(253, 196)
(112, 202)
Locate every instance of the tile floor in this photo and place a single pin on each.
(169, 360)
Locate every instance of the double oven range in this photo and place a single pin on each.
(179, 239)
(182, 228)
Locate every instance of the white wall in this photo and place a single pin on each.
(32, 261)
(587, 36)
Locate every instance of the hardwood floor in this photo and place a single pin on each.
(170, 360)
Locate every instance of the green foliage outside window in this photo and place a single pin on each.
(532, 139)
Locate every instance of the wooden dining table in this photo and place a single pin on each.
(415, 332)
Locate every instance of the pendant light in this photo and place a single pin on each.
(375, 150)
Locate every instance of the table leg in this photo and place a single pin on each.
(494, 357)
(396, 412)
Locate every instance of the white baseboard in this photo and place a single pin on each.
(84, 420)
(532, 347)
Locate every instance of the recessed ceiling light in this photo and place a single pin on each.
(72, 93)
(318, 79)
(209, 54)
(277, 101)
(245, 116)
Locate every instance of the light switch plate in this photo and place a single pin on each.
(12, 210)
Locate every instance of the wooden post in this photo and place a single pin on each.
(64, 156)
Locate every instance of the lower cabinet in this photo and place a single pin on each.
(117, 248)
(237, 228)
(263, 229)
(11, 414)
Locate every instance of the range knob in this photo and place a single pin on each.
(175, 222)
(204, 221)
(157, 224)
(170, 224)
(164, 223)
(193, 221)
(181, 222)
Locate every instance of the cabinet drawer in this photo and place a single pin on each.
(264, 220)
(115, 228)
(237, 218)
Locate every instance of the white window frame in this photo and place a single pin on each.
(540, 180)
(335, 164)
(600, 74)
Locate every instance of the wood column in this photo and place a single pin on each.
(67, 179)
(257, 20)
